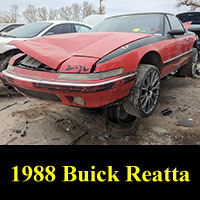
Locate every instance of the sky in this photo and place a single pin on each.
(113, 7)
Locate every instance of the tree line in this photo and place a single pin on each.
(193, 4)
(75, 12)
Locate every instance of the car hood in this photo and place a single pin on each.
(54, 50)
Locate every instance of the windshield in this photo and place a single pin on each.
(144, 23)
(194, 17)
(28, 30)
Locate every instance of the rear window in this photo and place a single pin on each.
(194, 17)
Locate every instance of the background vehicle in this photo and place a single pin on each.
(95, 19)
(33, 30)
(195, 26)
(118, 64)
(6, 27)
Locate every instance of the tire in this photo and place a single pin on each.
(145, 92)
(118, 115)
(4, 62)
(190, 69)
(3, 66)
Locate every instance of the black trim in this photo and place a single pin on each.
(133, 46)
(40, 95)
(138, 44)
(173, 60)
(81, 89)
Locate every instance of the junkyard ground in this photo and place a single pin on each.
(29, 121)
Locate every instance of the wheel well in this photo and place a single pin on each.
(10, 52)
(195, 45)
(152, 58)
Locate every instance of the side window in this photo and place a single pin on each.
(175, 23)
(167, 26)
(81, 28)
(60, 29)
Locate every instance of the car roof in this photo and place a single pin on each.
(132, 14)
(7, 24)
(65, 21)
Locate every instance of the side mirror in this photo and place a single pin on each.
(176, 32)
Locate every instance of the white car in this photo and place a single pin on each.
(6, 27)
(33, 30)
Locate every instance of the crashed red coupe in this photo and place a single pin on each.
(118, 64)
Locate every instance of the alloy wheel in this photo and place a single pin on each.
(194, 63)
(150, 91)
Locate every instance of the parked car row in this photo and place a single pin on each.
(118, 64)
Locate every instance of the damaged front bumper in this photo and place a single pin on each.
(82, 93)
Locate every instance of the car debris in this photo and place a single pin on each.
(103, 137)
(8, 106)
(185, 123)
(184, 108)
(167, 112)
(24, 101)
(78, 138)
(165, 133)
(21, 131)
(172, 96)
(127, 139)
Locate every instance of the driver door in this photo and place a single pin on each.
(181, 40)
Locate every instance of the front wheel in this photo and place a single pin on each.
(145, 92)
(142, 99)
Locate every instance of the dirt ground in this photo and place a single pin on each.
(29, 121)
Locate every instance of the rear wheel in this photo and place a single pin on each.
(190, 69)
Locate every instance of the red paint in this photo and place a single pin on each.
(54, 50)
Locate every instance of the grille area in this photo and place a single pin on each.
(31, 63)
(40, 95)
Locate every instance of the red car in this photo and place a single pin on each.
(118, 64)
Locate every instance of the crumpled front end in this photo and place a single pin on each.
(75, 83)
